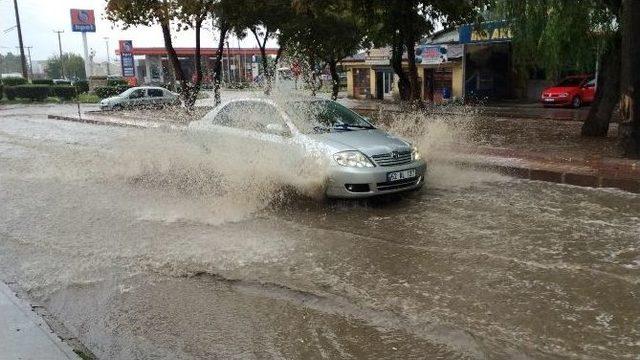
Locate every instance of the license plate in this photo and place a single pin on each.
(549, 100)
(401, 175)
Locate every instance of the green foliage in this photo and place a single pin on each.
(117, 82)
(64, 92)
(10, 63)
(82, 86)
(557, 35)
(108, 91)
(13, 81)
(87, 98)
(73, 67)
(29, 91)
(1, 91)
(42, 82)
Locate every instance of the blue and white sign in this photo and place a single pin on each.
(126, 58)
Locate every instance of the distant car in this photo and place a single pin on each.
(572, 91)
(142, 96)
(363, 161)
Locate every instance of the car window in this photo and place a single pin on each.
(311, 116)
(155, 92)
(249, 115)
(136, 94)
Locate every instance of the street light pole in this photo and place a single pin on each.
(106, 40)
(23, 60)
(60, 49)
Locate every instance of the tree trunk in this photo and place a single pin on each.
(335, 79)
(630, 78)
(217, 70)
(607, 92)
(414, 83)
(396, 63)
(267, 69)
(193, 94)
(173, 58)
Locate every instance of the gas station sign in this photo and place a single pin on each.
(83, 20)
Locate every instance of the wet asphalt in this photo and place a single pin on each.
(476, 265)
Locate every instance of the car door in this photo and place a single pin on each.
(589, 91)
(255, 130)
(137, 98)
(155, 97)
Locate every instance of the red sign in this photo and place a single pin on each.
(83, 20)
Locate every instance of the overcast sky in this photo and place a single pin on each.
(40, 17)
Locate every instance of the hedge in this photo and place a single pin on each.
(63, 82)
(42, 82)
(64, 92)
(13, 81)
(82, 86)
(32, 92)
(117, 82)
(108, 91)
(1, 92)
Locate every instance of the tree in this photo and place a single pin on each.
(400, 24)
(323, 34)
(188, 14)
(73, 67)
(630, 77)
(264, 19)
(10, 63)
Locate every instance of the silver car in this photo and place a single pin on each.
(140, 96)
(363, 161)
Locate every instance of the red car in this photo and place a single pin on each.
(571, 91)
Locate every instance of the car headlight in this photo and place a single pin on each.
(415, 154)
(352, 159)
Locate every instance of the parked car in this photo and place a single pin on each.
(363, 161)
(572, 91)
(142, 96)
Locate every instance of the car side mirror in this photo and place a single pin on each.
(276, 129)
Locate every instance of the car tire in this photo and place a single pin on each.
(576, 102)
(117, 107)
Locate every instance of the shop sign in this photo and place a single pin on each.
(485, 32)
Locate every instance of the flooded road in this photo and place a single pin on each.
(103, 226)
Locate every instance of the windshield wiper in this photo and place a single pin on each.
(350, 126)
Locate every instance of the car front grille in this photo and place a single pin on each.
(392, 158)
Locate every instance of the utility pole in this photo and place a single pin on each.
(60, 49)
(106, 40)
(29, 58)
(23, 60)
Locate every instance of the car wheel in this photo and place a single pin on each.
(576, 102)
(117, 107)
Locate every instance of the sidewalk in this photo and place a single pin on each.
(24, 334)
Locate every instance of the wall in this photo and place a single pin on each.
(457, 82)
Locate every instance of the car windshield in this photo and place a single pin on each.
(325, 115)
(573, 81)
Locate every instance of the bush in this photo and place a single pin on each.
(42, 82)
(86, 98)
(117, 82)
(64, 92)
(82, 86)
(107, 91)
(1, 92)
(62, 82)
(13, 81)
(32, 92)
(10, 92)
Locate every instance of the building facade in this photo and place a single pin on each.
(466, 63)
(152, 64)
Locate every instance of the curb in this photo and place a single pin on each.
(583, 179)
(94, 121)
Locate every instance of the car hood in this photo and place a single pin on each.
(370, 142)
(560, 89)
